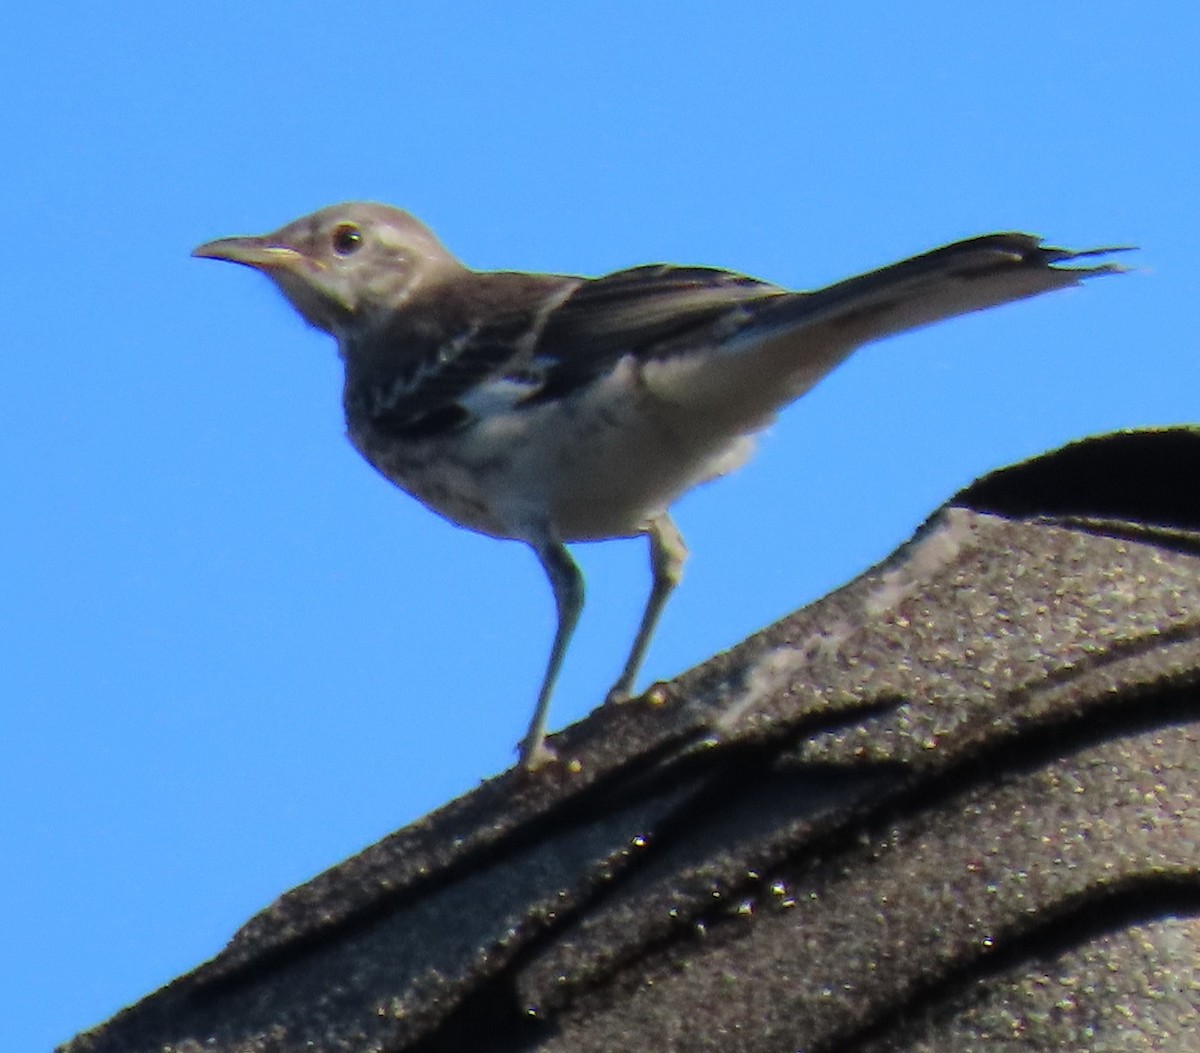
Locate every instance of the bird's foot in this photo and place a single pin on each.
(617, 695)
(620, 693)
(537, 755)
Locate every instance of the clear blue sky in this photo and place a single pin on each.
(232, 654)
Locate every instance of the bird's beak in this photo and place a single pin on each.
(257, 252)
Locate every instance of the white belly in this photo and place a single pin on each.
(601, 464)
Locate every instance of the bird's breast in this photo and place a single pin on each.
(600, 463)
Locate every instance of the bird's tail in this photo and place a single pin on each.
(790, 342)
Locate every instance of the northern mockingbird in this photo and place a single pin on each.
(549, 409)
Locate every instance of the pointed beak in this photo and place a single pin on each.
(257, 252)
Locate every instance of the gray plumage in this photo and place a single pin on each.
(550, 408)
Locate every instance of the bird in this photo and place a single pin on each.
(552, 409)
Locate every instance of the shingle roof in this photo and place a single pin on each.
(948, 807)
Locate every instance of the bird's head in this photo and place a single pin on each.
(343, 266)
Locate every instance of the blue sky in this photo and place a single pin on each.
(232, 654)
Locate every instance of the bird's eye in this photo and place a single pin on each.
(347, 239)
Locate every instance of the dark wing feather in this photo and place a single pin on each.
(427, 401)
(459, 355)
(648, 312)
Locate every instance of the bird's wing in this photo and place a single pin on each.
(542, 343)
(434, 390)
(648, 312)
(537, 338)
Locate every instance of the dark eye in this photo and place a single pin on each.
(347, 239)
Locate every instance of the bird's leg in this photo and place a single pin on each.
(667, 554)
(567, 582)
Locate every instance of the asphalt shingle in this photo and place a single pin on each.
(949, 806)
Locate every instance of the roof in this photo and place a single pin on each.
(949, 806)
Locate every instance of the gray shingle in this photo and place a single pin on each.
(949, 806)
